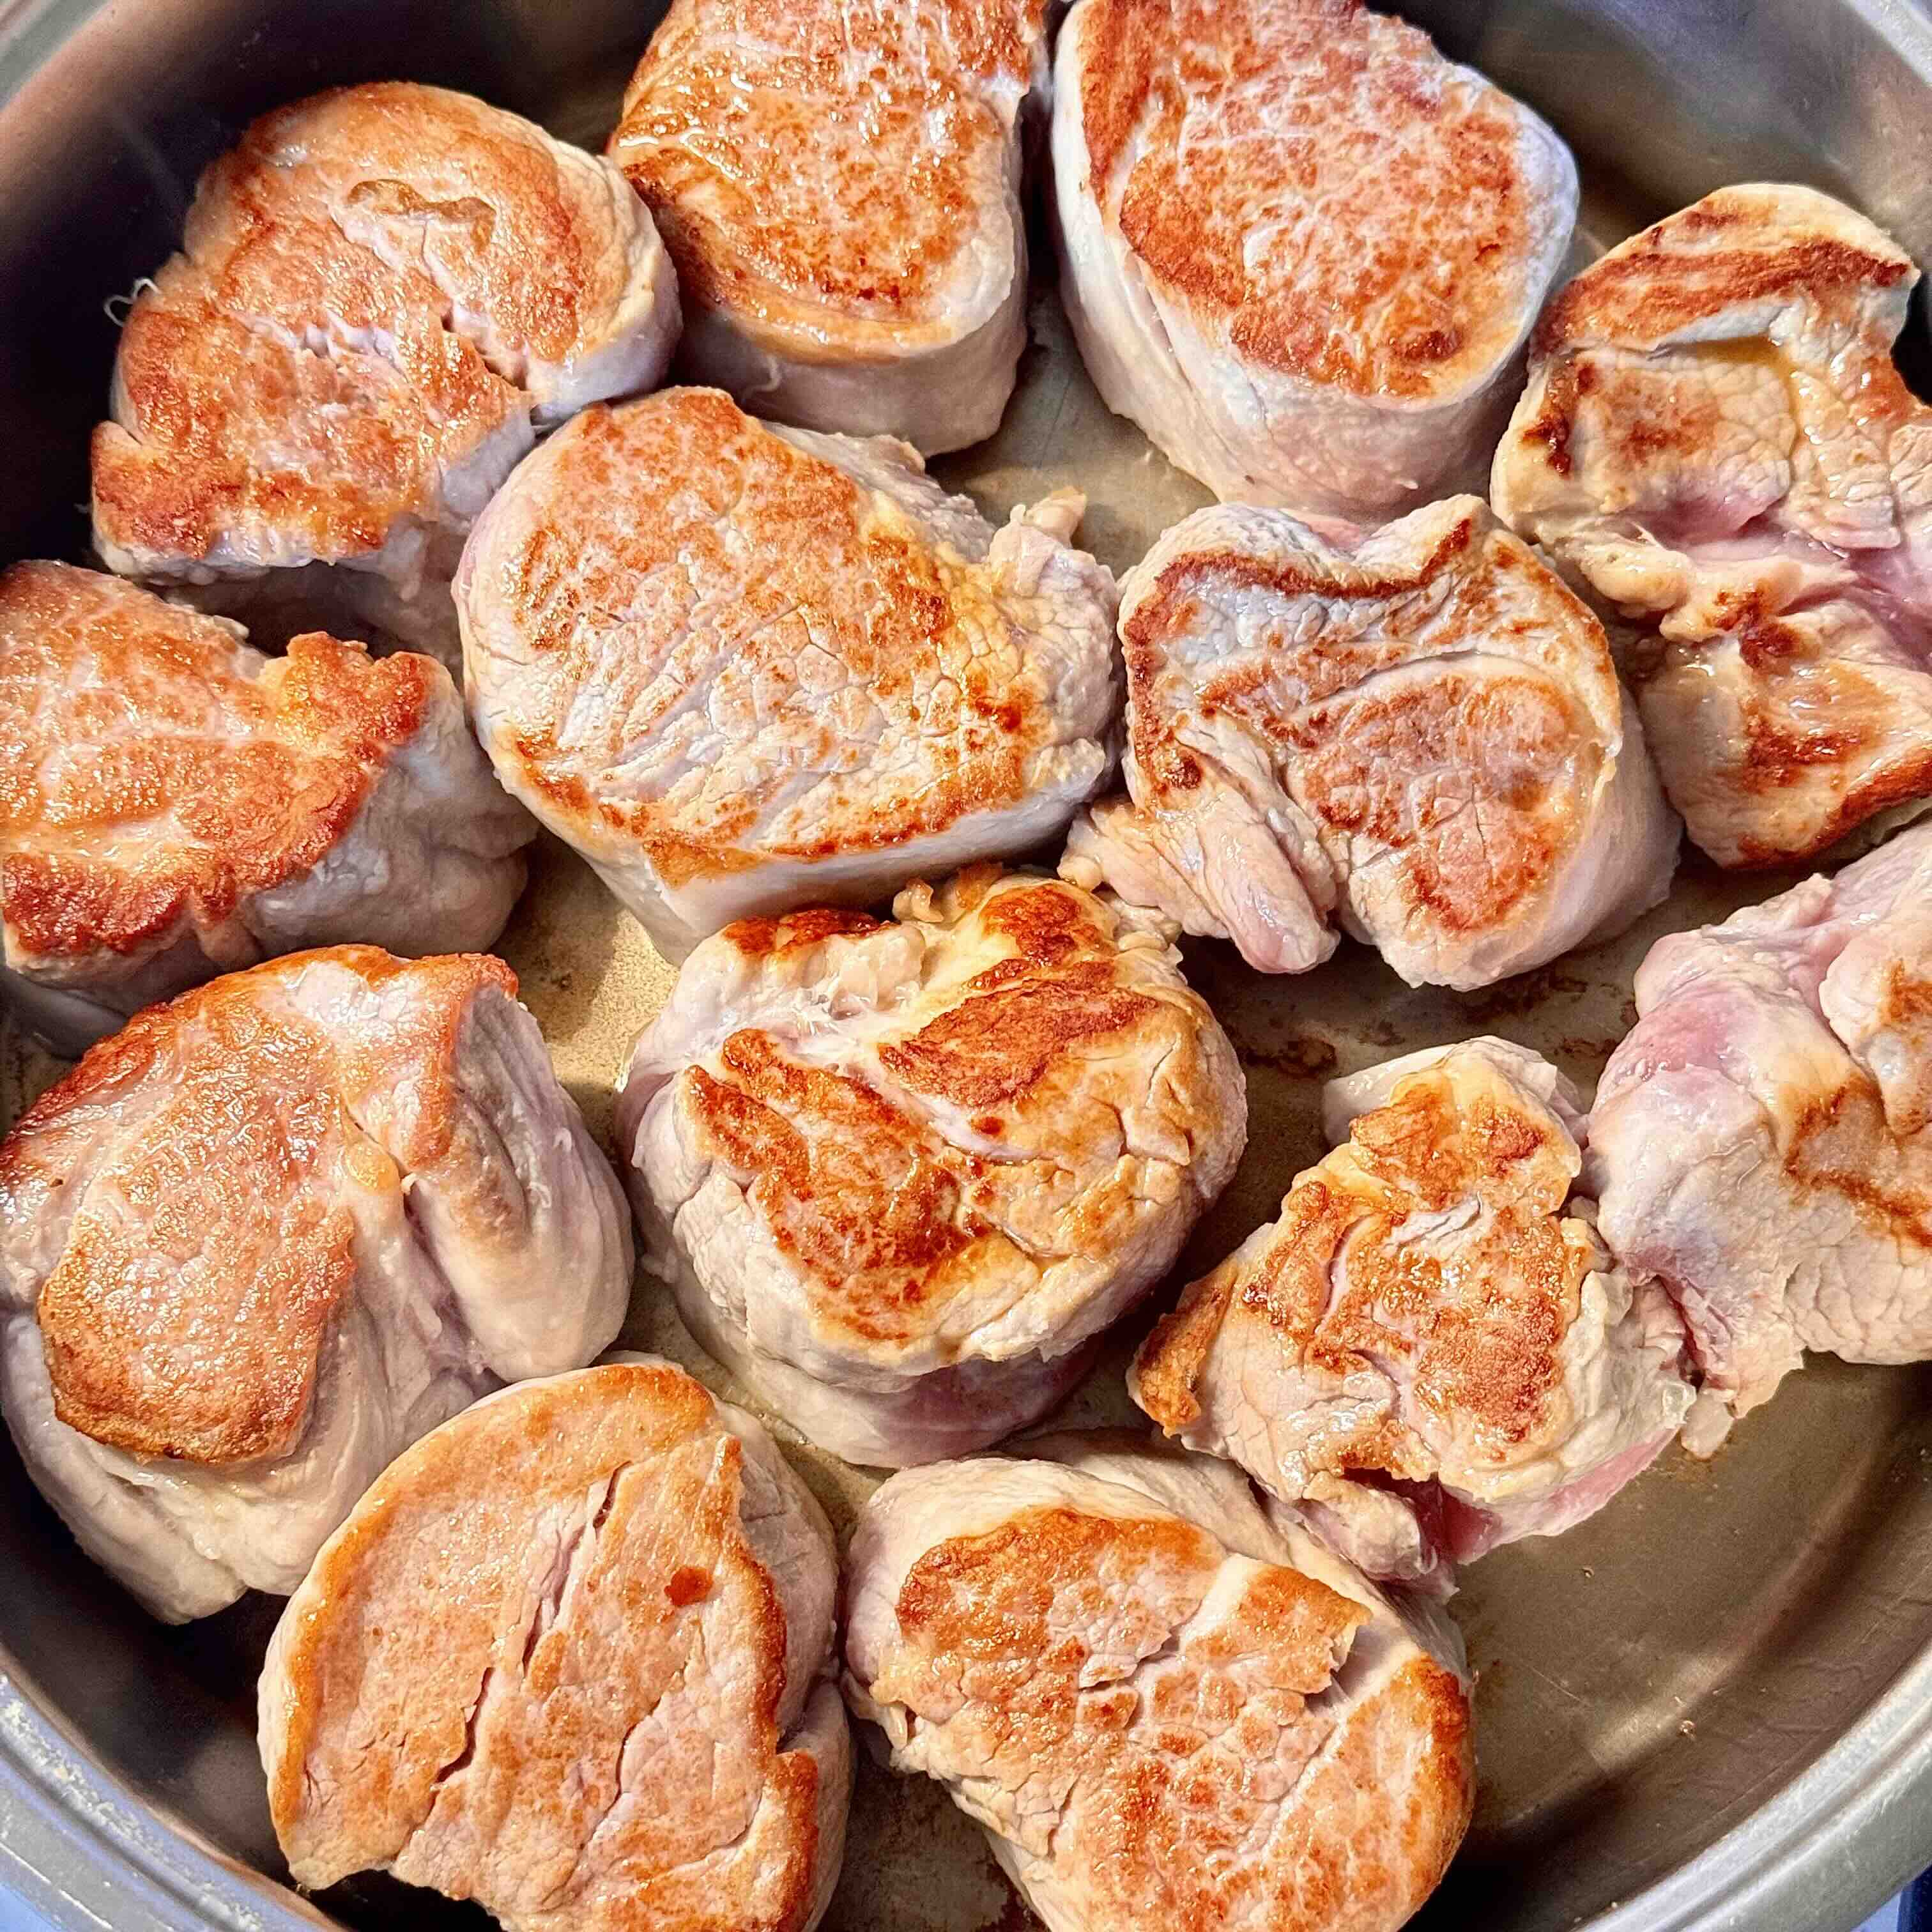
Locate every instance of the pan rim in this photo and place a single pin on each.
(1777, 1867)
(82, 1847)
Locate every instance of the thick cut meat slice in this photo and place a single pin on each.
(742, 669)
(173, 805)
(1430, 1352)
(839, 186)
(1298, 248)
(1716, 443)
(383, 293)
(571, 1658)
(1169, 1707)
(1418, 732)
(1761, 1141)
(268, 1234)
(900, 1174)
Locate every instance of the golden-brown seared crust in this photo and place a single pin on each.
(798, 932)
(1781, 746)
(1786, 736)
(1738, 247)
(365, 446)
(789, 570)
(901, 118)
(888, 1213)
(1906, 998)
(354, 214)
(1023, 1642)
(443, 1708)
(999, 1044)
(189, 1311)
(1424, 1718)
(1167, 606)
(1008, 1578)
(1168, 1366)
(1526, 735)
(1316, 177)
(1641, 363)
(871, 1203)
(1478, 1315)
(1836, 1141)
(1526, 727)
(151, 777)
(1719, 254)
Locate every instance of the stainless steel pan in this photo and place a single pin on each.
(1710, 1707)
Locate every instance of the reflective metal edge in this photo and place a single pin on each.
(79, 1847)
(1828, 1849)
(86, 1854)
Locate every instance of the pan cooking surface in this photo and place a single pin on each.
(1645, 1682)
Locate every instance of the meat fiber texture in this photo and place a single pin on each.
(384, 293)
(1762, 1140)
(743, 669)
(1166, 1703)
(1298, 248)
(1715, 443)
(177, 805)
(1414, 733)
(840, 186)
(902, 1176)
(571, 1658)
(1431, 1351)
(267, 1235)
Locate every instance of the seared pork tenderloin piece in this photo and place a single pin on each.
(1297, 247)
(1166, 1703)
(267, 1235)
(1431, 1351)
(383, 293)
(1716, 444)
(901, 1175)
(173, 805)
(571, 1658)
(840, 188)
(743, 669)
(1762, 1140)
(1416, 733)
